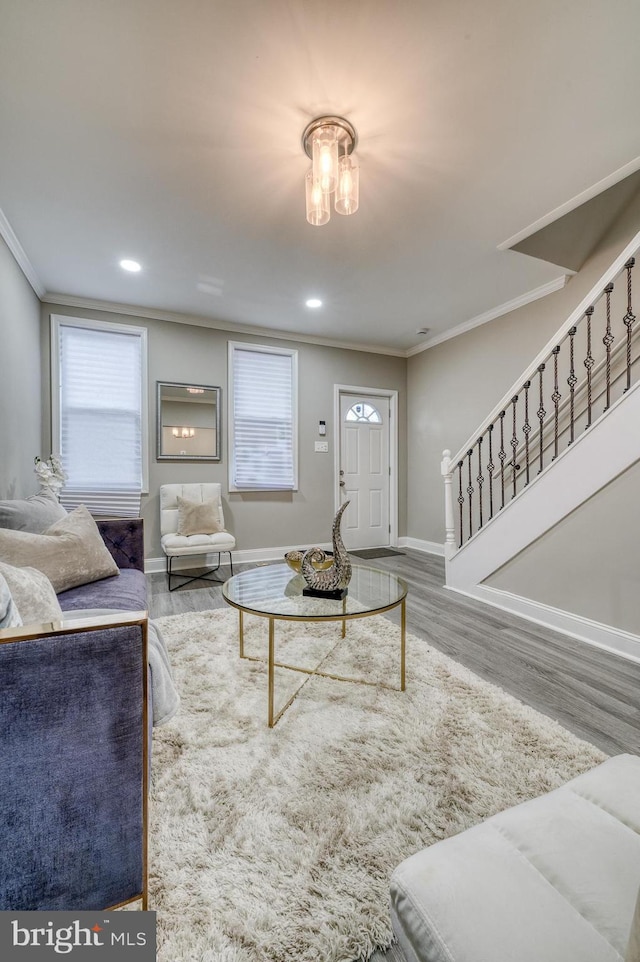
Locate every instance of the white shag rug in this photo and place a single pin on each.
(277, 845)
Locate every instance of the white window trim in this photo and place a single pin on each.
(61, 320)
(264, 349)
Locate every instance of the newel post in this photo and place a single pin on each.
(446, 469)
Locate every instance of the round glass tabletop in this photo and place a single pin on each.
(276, 590)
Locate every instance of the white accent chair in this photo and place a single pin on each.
(176, 545)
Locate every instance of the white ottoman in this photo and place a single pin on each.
(552, 880)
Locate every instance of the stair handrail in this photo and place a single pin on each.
(449, 462)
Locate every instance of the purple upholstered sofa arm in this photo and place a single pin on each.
(124, 537)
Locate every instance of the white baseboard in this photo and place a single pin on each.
(248, 555)
(620, 642)
(257, 555)
(430, 547)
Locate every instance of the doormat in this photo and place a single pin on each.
(369, 553)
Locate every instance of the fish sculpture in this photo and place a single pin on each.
(338, 575)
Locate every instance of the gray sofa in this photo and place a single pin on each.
(552, 880)
(74, 741)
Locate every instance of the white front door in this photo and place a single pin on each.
(364, 470)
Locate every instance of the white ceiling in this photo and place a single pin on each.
(169, 131)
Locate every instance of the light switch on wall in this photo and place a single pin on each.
(322, 447)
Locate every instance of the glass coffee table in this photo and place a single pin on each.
(275, 592)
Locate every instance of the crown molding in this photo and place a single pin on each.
(133, 310)
(572, 204)
(555, 285)
(18, 251)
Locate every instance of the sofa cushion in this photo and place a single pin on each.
(33, 514)
(9, 614)
(71, 552)
(127, 592)
(33, 594)
(178, 544)
(555, 878)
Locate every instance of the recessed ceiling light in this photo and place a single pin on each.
(132, 266)
(313, 302)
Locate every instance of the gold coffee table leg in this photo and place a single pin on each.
(241, 631)
(271, 669)
(344, 623)
(403, 646)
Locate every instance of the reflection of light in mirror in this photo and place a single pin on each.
(195, 390)
(185, 433)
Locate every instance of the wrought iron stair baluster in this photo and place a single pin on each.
(502, 455)
(628, 319)
(608, 340)
(526, 428)
(588, 363)
(572, 380)
(541, 415)
(470, 493)
(514, 443)
(480, 479)
(460, 500)
(490, 469)
(556, 398)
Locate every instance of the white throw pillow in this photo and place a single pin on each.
(71, 552)
(33, 514)
(198, 517)
(9, 614)
(33, 594)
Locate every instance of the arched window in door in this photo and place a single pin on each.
(362, 411)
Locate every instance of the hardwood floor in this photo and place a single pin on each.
(591, 692)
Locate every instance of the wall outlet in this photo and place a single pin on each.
(322, 447)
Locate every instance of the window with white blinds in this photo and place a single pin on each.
(263, 399)
(99, 414)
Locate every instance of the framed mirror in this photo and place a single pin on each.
(188, 422)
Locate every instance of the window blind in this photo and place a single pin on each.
(100, 383)
(263, 419)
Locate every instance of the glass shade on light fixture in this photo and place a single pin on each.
(329, 141)
(318, 203)
(183, 433)
(348, 187)
(324, 157)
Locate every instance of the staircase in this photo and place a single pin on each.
(565, 429)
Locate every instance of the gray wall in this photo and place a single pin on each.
(453, 386)
(589, 563)
(20, 381)
(187, 353)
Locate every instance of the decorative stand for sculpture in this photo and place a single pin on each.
(331, 582)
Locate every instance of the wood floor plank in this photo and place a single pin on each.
(592, 692)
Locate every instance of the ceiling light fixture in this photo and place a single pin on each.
(329, 142)
(132, 266)
(185, 434)
(314, 302)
